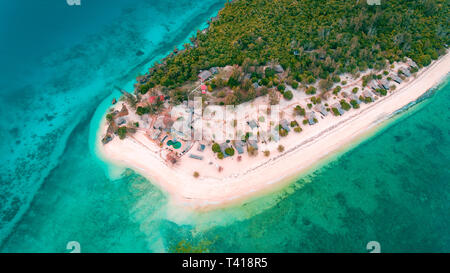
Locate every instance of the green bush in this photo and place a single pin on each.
(142, 110)
(215, 148)
(229, 151)
(336, 90)
(143, 89)
(310, 80)
(382, 91)
(299, 110)
(345, 105)
(269, 72)
(109, 117)
(288, 95)
(283, 132)
(335, 111)
(311, 90)
(122, 132)
(354, 104)
(367, 100)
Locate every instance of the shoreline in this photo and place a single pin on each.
(322, 144)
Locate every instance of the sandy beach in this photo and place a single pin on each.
(257, 175)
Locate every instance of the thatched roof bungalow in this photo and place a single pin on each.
(321, 109)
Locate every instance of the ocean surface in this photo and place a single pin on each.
(60, 66)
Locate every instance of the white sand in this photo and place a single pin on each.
(240, 180)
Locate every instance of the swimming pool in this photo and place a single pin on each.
(174, 144)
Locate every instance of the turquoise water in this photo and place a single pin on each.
(392, 188)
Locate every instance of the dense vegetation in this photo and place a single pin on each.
(316, 40)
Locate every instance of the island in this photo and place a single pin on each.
(271, 89)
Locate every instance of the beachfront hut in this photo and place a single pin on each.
(121, 121)
(253, 143)
(405, 72)
(368, 94)
(374, 85)
(204, 75)
(239, 146)
(123, 112)
(264, 136)
(275, 135)
(112, 128)
(396, 79)
(321, 109)
(223, 147)
(156, 134)
(253, 124)
(385, 84)
(106, 139)
(187, 147)
(285, 125)
(411, 63)
(198, 157)
(310, 116)
(338, 107)
(141, 79)
(355, 98)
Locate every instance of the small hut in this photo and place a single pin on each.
(123, 112)
(204, 75)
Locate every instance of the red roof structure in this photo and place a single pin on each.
(152, 99)
(203, 88)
